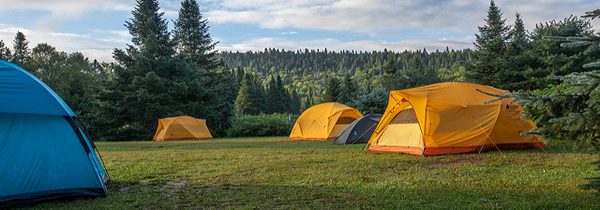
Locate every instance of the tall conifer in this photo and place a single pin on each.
(4, 51)
(192, 36)
(490, 45)
(21, 52)
(332, 90)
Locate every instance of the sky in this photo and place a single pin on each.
(95, 27)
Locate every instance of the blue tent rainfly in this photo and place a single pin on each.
(44, 151)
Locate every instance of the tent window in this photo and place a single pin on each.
(407, 116)
(345, 120)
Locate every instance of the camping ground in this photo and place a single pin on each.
(277, 173)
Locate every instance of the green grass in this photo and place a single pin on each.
(277, 173)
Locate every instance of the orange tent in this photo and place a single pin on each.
(449, 118)
(180, 128)
(324, 121)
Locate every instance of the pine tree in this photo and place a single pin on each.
(518, 37)
(310, 100)
(250, 98)
(276, 97)
(272, 96)
(490, 46)
(149, 30)
(332, 91)
(97, 67)
(514, 74)
(4, 51)
(348, 91)
(21, 51)
(243, 101)
(544, 59)
(192, 36)
(260, 95)
(239, 75)
(295, 102)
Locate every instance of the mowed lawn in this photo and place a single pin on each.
(278, 173)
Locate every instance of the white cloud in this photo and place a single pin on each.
(97, 45)
(260, 44)
(288, 33)
(372, 16)
(65, 8)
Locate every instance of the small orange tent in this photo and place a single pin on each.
(324, 121)
(180, 128)
(449, 118)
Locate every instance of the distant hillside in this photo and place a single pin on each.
(302, 69)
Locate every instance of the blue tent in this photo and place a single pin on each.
(44, 151)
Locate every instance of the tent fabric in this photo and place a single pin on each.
(45, 152)
(181, 128)
(360, 130)
(28, 94)
(324, 121)
(449, 118)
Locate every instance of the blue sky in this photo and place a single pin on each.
(95, 27)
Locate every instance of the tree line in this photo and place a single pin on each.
(357, 78)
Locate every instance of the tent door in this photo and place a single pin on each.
(403, 130)
(341, 125)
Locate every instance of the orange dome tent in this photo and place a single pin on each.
(324, 121)
(180, 128)
(448, 118)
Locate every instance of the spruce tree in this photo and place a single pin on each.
(283, 104)
(277, 99)
(332, 90)
(295, 102)
(390, 71)
(272, 96)
(310, 99)
(490, 46)
(250, 98)
(540, 64)
(260, 95)
(4, 51)
(192, 36)
(518, 37)
(348, 90)
(21, 51)
(239, 75)
(243, 101)
(149, 31)
(514, 74)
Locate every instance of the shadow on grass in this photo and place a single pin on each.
(215, 145)
(594, 183)
(183, 194)
(555, 146)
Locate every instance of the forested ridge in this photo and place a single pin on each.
(309, 70)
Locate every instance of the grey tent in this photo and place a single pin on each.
(360, 130)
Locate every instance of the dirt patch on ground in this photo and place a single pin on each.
(452, 163)
(176, 185)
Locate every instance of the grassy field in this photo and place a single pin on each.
(277, 173)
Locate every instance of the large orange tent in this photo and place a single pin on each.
(324, 121)
(448, 118)
(181, 128)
